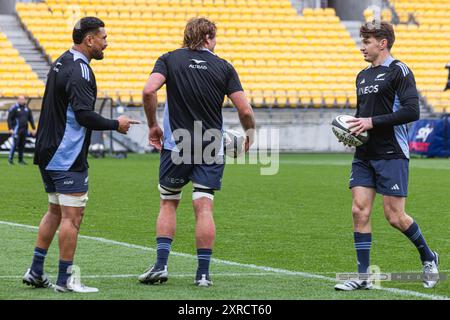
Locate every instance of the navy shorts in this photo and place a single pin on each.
(65, 182)
(173, 175)
(387, 177)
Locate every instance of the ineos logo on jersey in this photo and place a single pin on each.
(197, 64)
(368, 89)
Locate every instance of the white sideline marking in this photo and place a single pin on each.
(231, 263)
(404, 271)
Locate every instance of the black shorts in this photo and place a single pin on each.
(173, 175)
(387, 177)
(65, 182)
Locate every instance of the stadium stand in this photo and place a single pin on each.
(426, 46)
(284, 59)
(422, 42)
(386, 14)
(3, 126)
(16, 76)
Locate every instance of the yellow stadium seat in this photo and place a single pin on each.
(278, 54)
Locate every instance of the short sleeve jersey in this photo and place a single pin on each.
(197, 82)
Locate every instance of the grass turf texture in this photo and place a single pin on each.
(298, 220)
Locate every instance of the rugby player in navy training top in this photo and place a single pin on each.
(197, 81)
(63, 137)
(387, 100)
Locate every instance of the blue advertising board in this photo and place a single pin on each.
(430, 137)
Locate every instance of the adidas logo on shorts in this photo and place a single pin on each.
(395, 187)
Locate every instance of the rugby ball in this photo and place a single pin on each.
(339, 126)
(234, 142)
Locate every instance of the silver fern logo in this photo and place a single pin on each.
(198, 61)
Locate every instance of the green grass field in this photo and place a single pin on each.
(278, 237)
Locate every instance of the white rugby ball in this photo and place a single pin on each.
(234, 142)
(342, 132)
